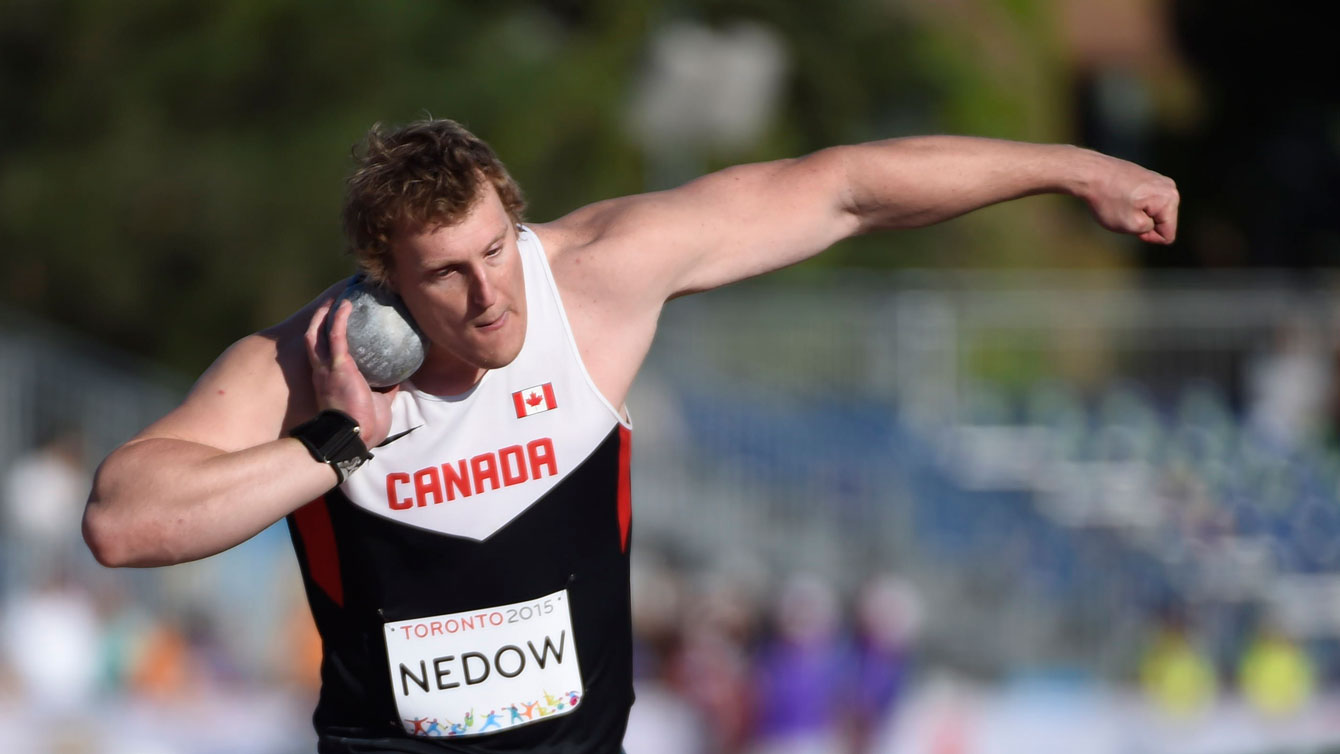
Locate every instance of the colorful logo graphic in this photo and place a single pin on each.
(509, 716)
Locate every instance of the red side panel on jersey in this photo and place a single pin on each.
(625, 485)
(318, 539)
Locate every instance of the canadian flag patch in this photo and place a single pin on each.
(534, 400)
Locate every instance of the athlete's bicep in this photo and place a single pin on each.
(753, 219)
(252, 392)
(724, 227)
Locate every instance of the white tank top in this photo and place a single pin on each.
(475, 461)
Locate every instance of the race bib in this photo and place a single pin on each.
(484, 671)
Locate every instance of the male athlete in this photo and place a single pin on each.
(469, 576)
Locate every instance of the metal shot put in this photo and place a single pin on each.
(493, 479)
(384, 342)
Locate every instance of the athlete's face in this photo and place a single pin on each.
(464, 286)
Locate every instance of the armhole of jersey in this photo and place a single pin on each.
(317, 533)
(621, 417)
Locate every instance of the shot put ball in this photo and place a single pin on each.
(383, 339)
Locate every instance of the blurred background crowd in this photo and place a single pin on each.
(1007, 484)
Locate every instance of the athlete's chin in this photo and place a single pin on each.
(496, 355)
(499, 346)
(496, 361)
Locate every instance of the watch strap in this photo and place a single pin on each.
(332, 437)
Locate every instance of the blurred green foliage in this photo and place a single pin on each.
(171, 172)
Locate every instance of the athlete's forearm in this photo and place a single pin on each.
(919, 181)
(161, 501)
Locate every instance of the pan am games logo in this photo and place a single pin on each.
(513, 715)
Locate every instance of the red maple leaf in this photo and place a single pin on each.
(534, 399)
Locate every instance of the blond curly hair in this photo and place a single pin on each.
(425, 174)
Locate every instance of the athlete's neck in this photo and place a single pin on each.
(447, 375)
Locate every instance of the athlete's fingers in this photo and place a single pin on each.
(314, 356)
(339, 331)
(1140, 223)
(1159, 229)
(1165, 218)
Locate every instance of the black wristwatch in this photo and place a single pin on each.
(332, 438)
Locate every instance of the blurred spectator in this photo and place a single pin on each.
(801, 686)
(664, 718)
(1275, 674)
(44, 495)
(888, 618)
(125, 624)
(299, 655)
(1289, 386)
(1175, 676)
(164, 668)
(51, 641)
(712, 670)
(662, 722)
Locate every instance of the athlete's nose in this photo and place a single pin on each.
(483, 292)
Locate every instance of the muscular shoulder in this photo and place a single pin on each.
(244, 398)
(256, 390)
(597, 252)
(610, 307)
(724, 227)
(600, 268)
(567, 244)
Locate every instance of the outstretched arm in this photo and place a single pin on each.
(619, 261)
(751, 219)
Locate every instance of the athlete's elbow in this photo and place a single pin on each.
(105, 538)
(120, 544)
(118, 539)
(123, 524)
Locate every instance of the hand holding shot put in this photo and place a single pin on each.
(508, 475)
(382, 337)
(338, 382)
